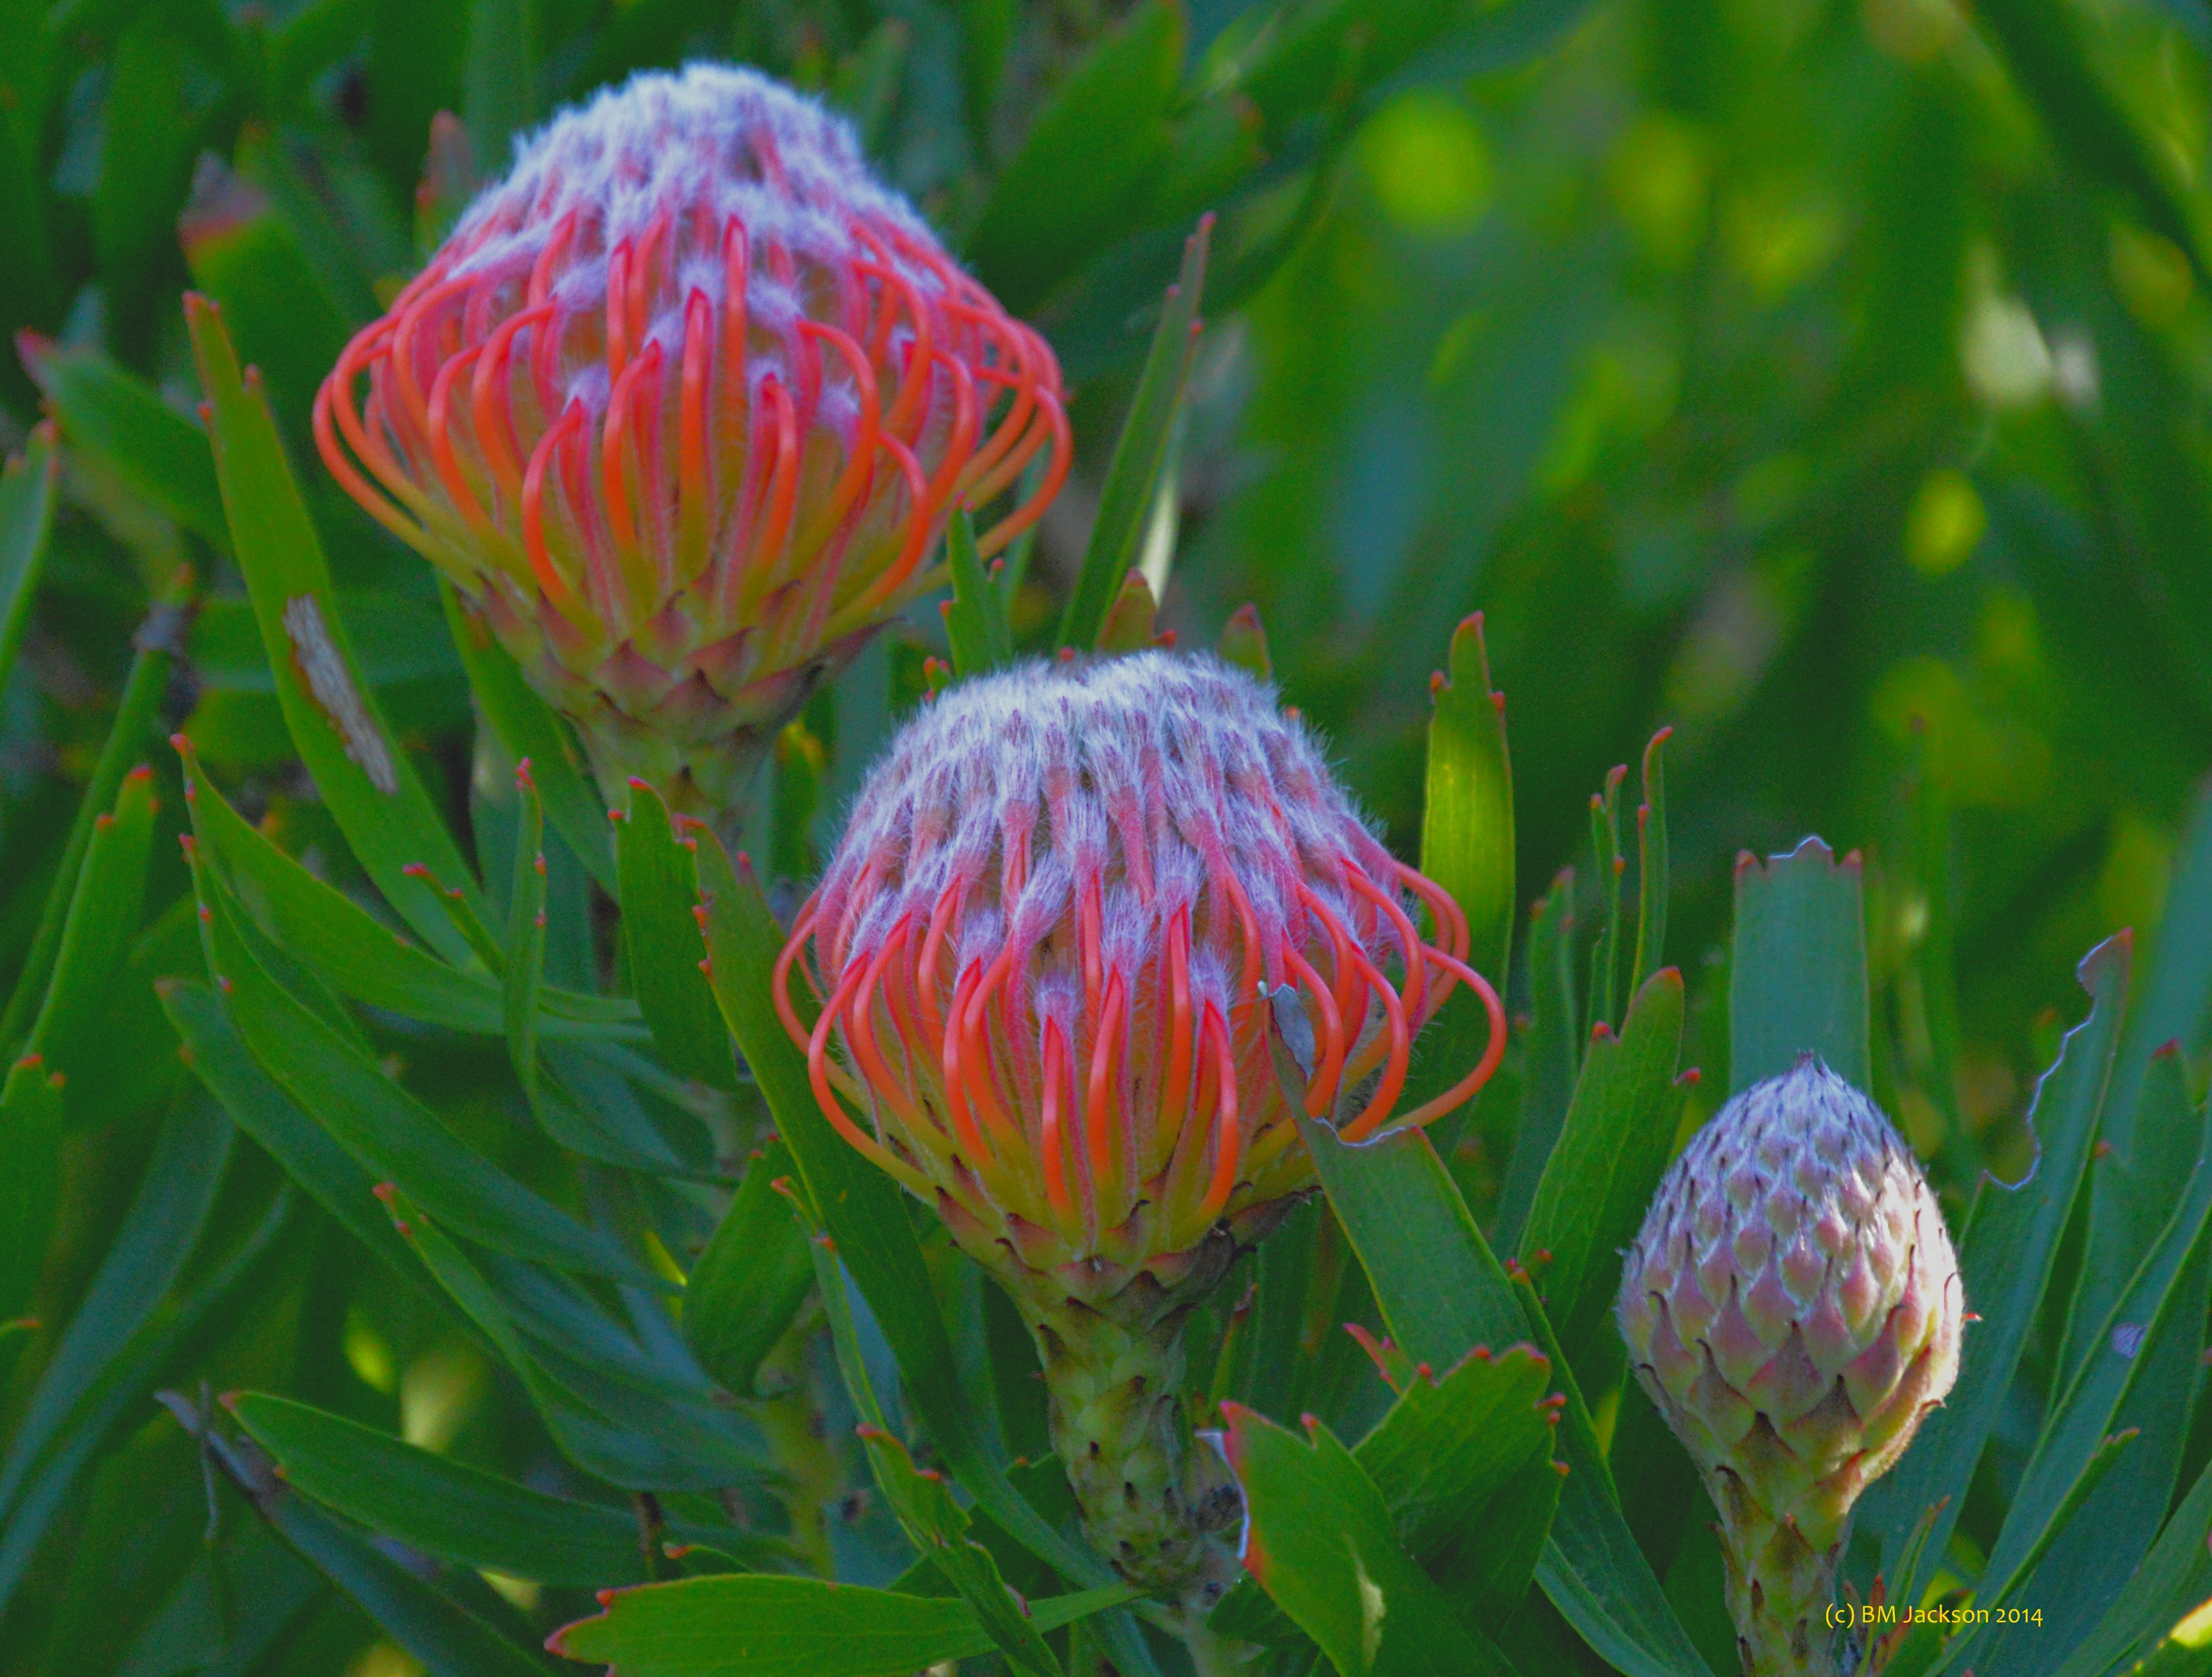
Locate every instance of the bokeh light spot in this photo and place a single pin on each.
(1944, 523)
(1428, 164)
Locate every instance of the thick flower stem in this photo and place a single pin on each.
(1779, 1589)
(1157, 1503)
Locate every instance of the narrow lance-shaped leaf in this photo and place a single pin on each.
(744, 1625)
(448, 1639)
(976, 617)
(1554, 1056)
(749, 1282)
(530, 728)
(2006, 1255)
(1651, 872)
(103, 917)
(391, 1134)
(341, 736)
(27, 515)
(114, 417)
(135, 713)
(440, 1506)
(659, 880)
(524, 958)
(308, 1153)
(1798, 981)
(1134, 472)
(1614, 1147)
(1604, 996)
(2175, 1007)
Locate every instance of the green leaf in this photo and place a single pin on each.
(1449, 1444)
(2167, 1286)
(2175, 1007)
(621, 1431)
(318, 925)
(364, 778)
(103, 918)
(30, 1178)
(530, 728)
(310, 1156)
(1320, 1539)
(125, 1332)
(2174, 1577)
(1553, 1055)
(135, 713)
(1125, 500)
(1244, 643)
(442, 1507)
(393, 1135)
(445, 1636)
(976, 617)
(1797, 983)
(27, 515)
(1442, 1293)
(1086, 165)
(1651, 865)
(1326, 51)
(246, 257)
(862, 1209)
(523, 961)
(659, 877)
(112, 417)
(748, 1285)
(2007, 1253)
(1467, 813)
(1619, 1135)
(1129, 621)
(745, 1624)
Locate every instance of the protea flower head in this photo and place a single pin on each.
(681, 407)
(1793, 1307)
(1044, 946)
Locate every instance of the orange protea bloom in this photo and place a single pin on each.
(681, 407)
(1046, 948)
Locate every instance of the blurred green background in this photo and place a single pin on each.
(1826, 379)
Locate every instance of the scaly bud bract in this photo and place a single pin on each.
(680, 407)
(1793, 1307)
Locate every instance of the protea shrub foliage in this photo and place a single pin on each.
(1068, 1200)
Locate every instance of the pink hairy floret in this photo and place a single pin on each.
(1045, 943)
(683, 402)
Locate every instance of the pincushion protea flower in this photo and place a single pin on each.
(1043, 946)
(1793, 1307)
(680, 407)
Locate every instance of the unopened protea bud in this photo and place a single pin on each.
(1793, 1307)
(680, 407)
(1043, 946)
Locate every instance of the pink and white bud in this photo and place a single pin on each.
(681, 407)
(1793, 1307)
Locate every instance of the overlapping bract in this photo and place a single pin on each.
(681, 406)
(1042, 943)
(1793, 1306)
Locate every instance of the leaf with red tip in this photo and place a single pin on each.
(1797, 983)
(1128, 625)
(367, 782)
(1244, 642)
(1320, 1539)
(1132, 477)
(2006, 1255)
(1610, 1153)
(112, 417)
(27, 514)
(748, 1285)
(659, 880)
(1467, 847)
(976, 617)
